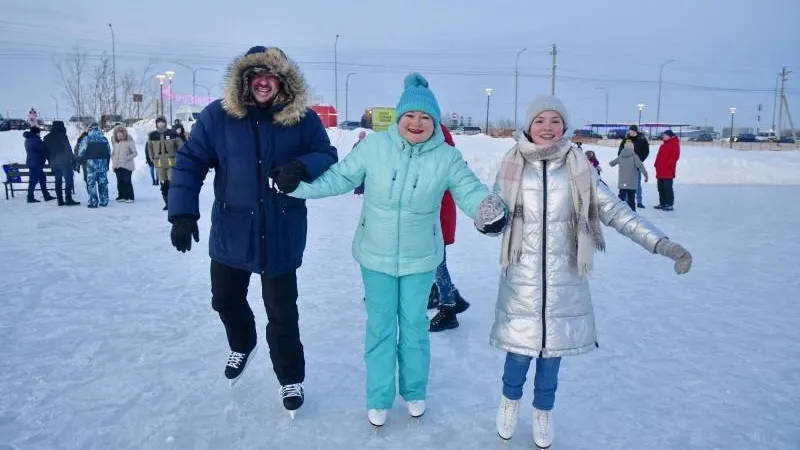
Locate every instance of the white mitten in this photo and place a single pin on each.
(673, 251)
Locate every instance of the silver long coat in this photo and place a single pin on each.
(544, 308)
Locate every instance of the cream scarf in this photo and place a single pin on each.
(588, 233)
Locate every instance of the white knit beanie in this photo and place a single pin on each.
(546, 103)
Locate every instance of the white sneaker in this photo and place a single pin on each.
(416, 408)
(377, 417)
(507, 417)
(542, 428)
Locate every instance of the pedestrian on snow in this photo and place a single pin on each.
(33, 118)
(36, 157)
(261, 132)
(629, 169)
(593, 159)
(62, 161)
(361, 135)
(444, 295)
(162, 146)
(180, 134)
(406, 171)
(122, 162)
(666, 163)
(544, 308)
(642, 149)
(78, 163)
(95, 153)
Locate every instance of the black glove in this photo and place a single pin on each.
(184, 228)
(495, 227)
(288, 176)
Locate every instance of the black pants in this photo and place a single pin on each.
(124, 184)
(229, 299)
(64, 180)
(628, 195)
(666, 196)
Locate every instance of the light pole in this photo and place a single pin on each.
(114, 65)
(516, 84)
(160, 78)
(606, 91)
(58, 114)
(488, 96)
(733, 113)
(347, 94)
(641, 107)
(170, 74)
(660, 78)
(208, 89)
(336, 75)
(194, 76)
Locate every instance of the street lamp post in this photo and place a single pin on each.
(516, 84)
(733, 112)
(114, 65)
(347, 94)
(194, 77)
(160, 78)
(336, 75)
(660, 79)
(208, 89)
(58, 114)
(488, 96)
(170, 74)
(606, 91)
(641, 107)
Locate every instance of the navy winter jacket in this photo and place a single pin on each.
(253, 227)
(35, 150)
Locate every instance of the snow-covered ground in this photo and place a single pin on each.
(108, 339)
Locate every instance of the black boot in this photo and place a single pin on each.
(165, 193)
(70, 201)
(433, 298)
(461, 304)
(60, 198)
(33, 200)
(445, 319)
(47, 196)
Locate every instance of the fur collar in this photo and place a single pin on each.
(293, 96)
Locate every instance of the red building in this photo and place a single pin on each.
(327, 113)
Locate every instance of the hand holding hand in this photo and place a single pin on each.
(288, 176)
(491, 215)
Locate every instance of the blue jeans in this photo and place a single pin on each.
(545, 382)
(153, 174)
(444, 284)
(639, 188)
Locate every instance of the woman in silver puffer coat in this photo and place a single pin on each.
(544, 310)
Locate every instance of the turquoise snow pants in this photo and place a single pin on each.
(396, 305)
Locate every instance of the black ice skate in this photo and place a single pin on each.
(237, 362)
(292, 395)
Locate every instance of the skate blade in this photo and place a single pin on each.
(292, 414)
(233, 381)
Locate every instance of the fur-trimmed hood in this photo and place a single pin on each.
(292, 97)
(114, 133)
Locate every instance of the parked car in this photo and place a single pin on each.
(702, 137)
(745, 137)
(617, 133)
(786, 140)
(350, 125)
(468, 130)
(14, 124)
(587, 134)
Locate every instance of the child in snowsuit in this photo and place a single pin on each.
(95, 153)
(406, 170)
(593, 159)
(629, 168)
(544, 308)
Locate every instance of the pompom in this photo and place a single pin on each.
(415, 79)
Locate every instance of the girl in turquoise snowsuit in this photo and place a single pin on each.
(405, 170)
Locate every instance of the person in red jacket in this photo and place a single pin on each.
(444, 294)
(666, 161)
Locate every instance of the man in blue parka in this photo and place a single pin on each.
(261, 139)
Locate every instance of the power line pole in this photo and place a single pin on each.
(784, 75)
(775, 101)
(553, 80)
(114, 65)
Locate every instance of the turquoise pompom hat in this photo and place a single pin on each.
(417, 96)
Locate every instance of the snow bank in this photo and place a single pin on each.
(698, 165)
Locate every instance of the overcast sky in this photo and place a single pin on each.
(727, 53)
